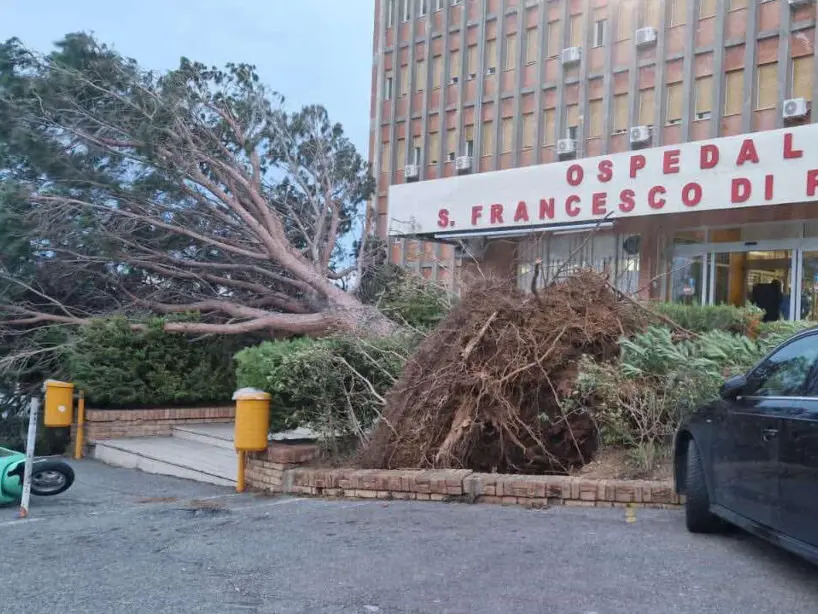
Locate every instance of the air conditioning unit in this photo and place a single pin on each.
(411, 171)
(794, 108)
(639, 135)
(797, 3)
(462, 164)
(571, 55)
(645, 37)
(566, 147)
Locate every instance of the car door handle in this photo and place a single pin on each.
(769, 434)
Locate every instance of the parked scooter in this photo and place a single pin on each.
(48, 477)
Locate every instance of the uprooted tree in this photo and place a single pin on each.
(188, 191)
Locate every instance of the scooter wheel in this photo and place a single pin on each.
(49, 478)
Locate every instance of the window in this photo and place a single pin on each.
(488, 138)
(646, 100)
(417, 149)
(676, 12)
(767, 90)
(531, 46)
(404, 80)
(529, 135)
(400, 150)
(507, 134)
(454, 66)
(420, 75)
(438, 5)
(471, 61)
(423, 7)
(674, 103)
(549, 132)
(733, 94)
(704, 97)
(572, 121)
(388, 84)
(575, 31)
(468, 140)
(491, 56)
(651, 16)
(802, 71)
(620, 113)
(737, 4)
(386, 156)
(594, 119)
(624, 28)
(390, 12)
(599, 32)
(451, 144)
(554, 36)
(707, 8)
(434, 147)
(437, 71)
(510, 52)
(784, 373)
(405, 14)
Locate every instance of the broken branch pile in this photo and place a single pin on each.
(484, 391)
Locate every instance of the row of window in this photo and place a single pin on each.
(767, 94)
(676, 13)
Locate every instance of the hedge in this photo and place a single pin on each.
(118, 367)
(333, 385)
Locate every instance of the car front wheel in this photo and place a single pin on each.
(698, 516)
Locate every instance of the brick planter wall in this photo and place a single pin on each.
(277, 471)
(118, 423)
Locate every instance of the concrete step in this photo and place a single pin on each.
(172, 456)
(217, 435)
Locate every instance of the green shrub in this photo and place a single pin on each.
(118, 367)
(706, 318)
(334, 385)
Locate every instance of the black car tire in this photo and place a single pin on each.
(698, 516)
(60, 478)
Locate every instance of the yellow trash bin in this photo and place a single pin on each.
(252, 420)
(59, 403)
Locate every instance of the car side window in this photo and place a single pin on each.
(784, 373)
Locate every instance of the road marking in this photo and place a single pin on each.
(18, 522)
(263, 505)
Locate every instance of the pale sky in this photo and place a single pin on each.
(311, 51)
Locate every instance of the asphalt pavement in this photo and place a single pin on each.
(129, 542)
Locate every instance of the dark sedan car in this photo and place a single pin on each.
(750, 458)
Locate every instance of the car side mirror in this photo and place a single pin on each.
(733, 387)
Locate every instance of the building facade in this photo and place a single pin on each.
(670, 144)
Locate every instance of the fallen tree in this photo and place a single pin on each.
(485, 390)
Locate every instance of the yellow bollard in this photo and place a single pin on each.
(80, 426)
(630, 513)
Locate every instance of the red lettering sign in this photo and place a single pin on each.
(768, 187)
(637, 164)
(747, 153)
(496, 215)
(547, 208)
(740, 190)
(572, 205)
(789, 150)
(670, 163)
(605, 171)
(656, 203)
(598, 203)
(443, 218)
(627, 200)
(691, 194)
(521, 214)
(575, 175)
(812, 181)
(708, 157)
(476, 214)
